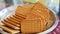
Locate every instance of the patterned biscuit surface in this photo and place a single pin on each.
(24, 9)
(30, 26)
(30, 18)
(40, 10)
(34, 25)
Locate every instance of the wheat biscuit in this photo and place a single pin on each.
(24, 9)
(9, 25)
(15, 24)
(13, 21)
(40, 12)
(9, 29)
(32, 26)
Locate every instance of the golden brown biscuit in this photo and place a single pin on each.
(24, 10)
(31, 18)
(13, 23)
(40, 11)
(32, 26)
(14, 18)
(9, 25)
(19, 17)
(9, 29)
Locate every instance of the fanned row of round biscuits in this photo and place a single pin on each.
(29, 18)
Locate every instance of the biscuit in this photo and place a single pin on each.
(9, 29)
(24, 10)
(43, 12)
(32, 26)
(30, 18)
(13, 23)
(9, 25)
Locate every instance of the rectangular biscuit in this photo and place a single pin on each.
(31, 26)
(9, 29)
(40, 11)
(9, 25)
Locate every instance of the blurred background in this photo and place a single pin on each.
(52, 4)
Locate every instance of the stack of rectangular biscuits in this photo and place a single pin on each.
(28, 18)
(12, 24)
(41, 13)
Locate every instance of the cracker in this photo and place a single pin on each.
(43, 12)
(13, 23)
(24, 9)
(10, 25)
(9, 29)
(32, 26)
